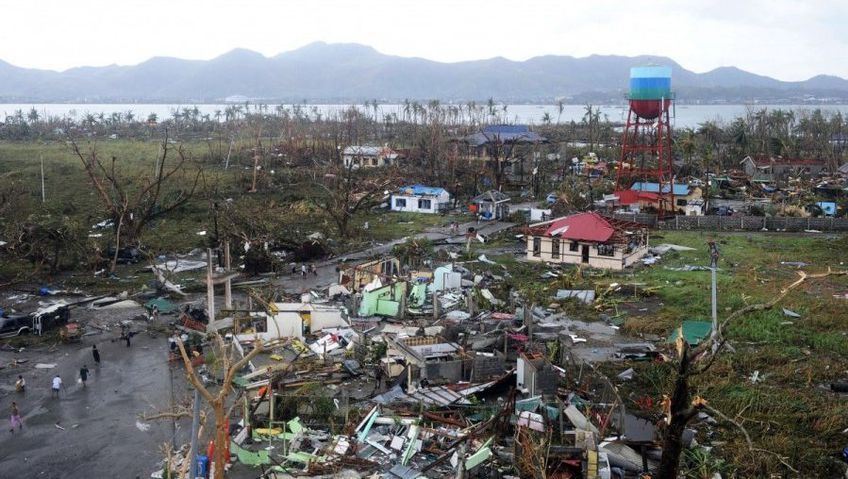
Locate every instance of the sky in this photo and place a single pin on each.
(786, 39)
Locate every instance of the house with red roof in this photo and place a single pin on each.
(587, 239)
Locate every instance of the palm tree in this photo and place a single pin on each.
(33, 116)
(407, 108)
(546, 118)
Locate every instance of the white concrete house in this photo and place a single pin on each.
(587, 239)
(295, 320)
(420, 199)
(368, 156)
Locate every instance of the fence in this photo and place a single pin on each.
(738, 223)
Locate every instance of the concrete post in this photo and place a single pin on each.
(228, 287)
(714, 294)
(210, 287)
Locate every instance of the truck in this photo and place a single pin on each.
(38, 322)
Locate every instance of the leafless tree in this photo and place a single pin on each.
(218, 401)
(133, 201)
(341, 192)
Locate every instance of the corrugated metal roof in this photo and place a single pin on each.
(422, 190)
(582, 227)
(487, 197)
(585, 295)
(504, 134)
(679, 190)
(440, 395)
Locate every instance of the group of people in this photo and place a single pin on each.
(56, 386)
(304, 269)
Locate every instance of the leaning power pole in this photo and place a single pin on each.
(714, 293)
(43, 193)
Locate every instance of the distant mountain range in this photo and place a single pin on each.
(340, 73)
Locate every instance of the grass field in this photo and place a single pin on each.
(790, 410)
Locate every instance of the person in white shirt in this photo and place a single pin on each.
(57, 385)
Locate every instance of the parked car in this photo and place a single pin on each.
(126, 255)
(722, 211)
(551, 198)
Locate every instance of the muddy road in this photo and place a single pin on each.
(101, 437)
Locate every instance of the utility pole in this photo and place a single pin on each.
(528, 321)
(195, 425)
(43, 194)
(228, 285)
(210, 288)
(713, 267)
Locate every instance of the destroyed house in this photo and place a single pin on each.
(427, 360)
(535, 375)
(356, 277)
(378, 299)
(765, 168)
(503, 134)
(420, 199)
(587, 239)
(491, 205)
(368, 156)
(687, 200)
(294, 320)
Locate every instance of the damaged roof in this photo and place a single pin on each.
(504, 134)
(491, 196)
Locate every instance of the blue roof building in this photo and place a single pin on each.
(422, 190)
(420, 199)
(651, 187)
(504, 134)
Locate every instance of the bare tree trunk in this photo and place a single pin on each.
(220, 437)
(678, 416)
(120, 224)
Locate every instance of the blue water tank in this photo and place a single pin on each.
(650, 91)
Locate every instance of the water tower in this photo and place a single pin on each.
(646, 159)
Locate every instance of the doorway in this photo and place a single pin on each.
(585, 254)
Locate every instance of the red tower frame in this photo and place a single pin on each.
(646, 151)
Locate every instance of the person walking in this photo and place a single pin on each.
(128, 338)
(15, 419)
(20, 384)
(96, 354)
(314, 269)
(84, 374)
(303, 270)
(57, 385)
